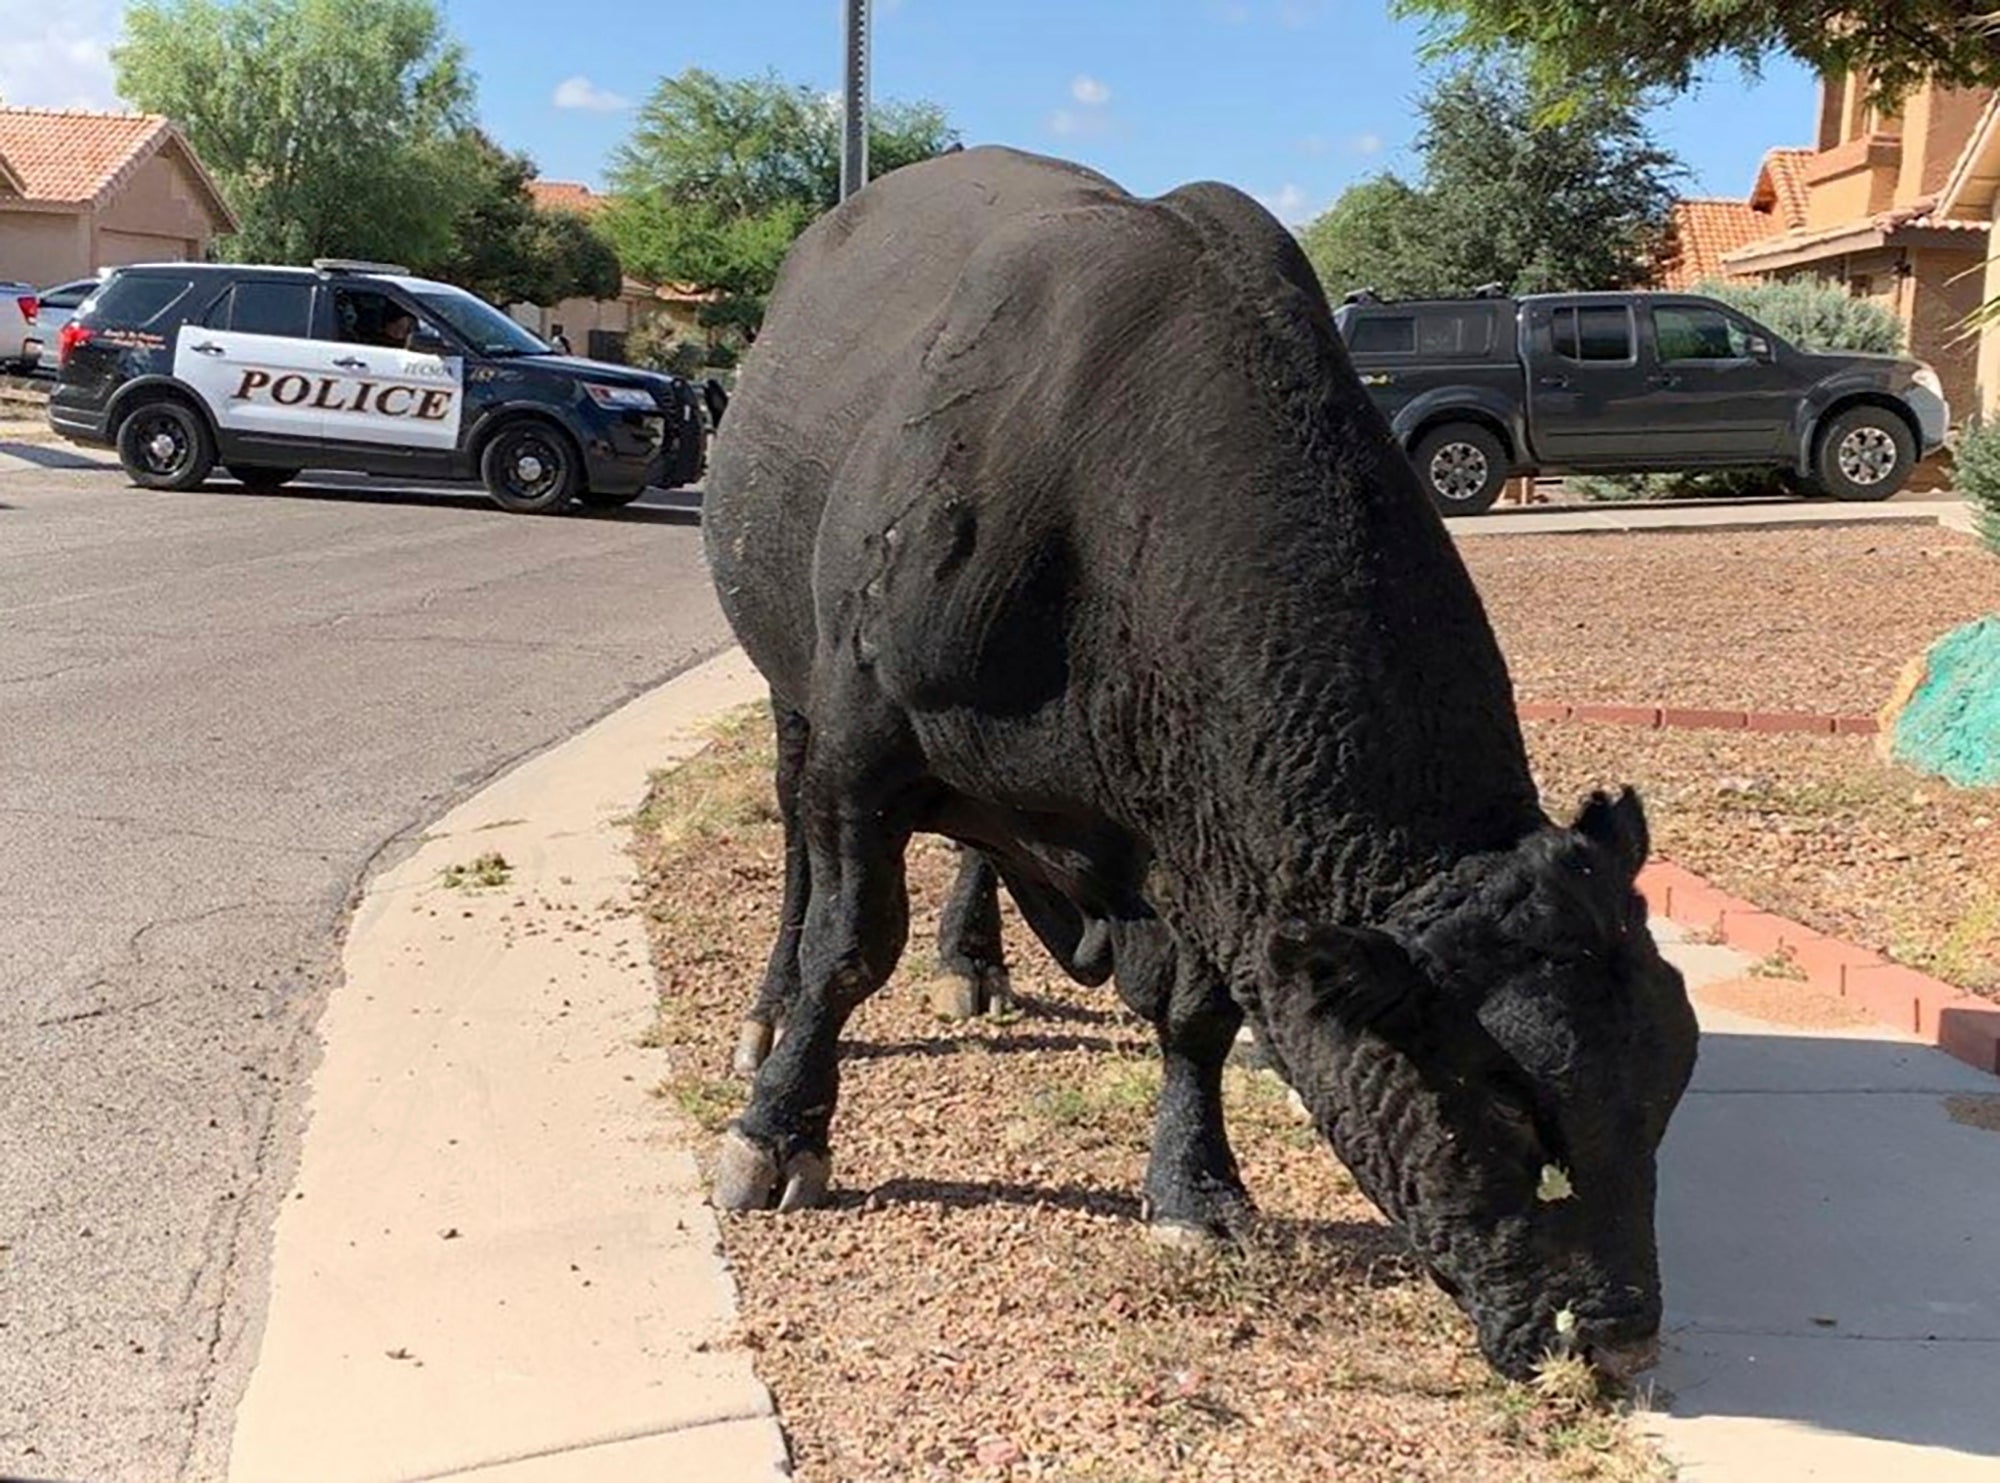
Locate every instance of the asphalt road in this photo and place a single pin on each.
(216, 711)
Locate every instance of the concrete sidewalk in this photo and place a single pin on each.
(497, 1261)
(1766, 514)
(498, 1264)
(1827, 1234)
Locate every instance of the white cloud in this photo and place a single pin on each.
(581, 92)
(59, 56)
(1289, 203)
(1366, 143)
(1088, 91)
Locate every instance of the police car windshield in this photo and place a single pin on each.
(482, 326)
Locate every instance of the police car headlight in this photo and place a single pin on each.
(622, 398)
(1928, 380)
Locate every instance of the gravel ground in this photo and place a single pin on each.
(1817, 620)
(1823, 620)
(979, 1301)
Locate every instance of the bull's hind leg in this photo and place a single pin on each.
(1194, 1192)
(857, 920)
(972, 963)
(780, 985)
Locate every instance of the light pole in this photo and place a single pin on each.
(854, 102)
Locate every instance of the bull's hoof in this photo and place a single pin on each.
(955, 998)
(1181, 1235)
(987, 991)
(749, 1177)
(753, 1044)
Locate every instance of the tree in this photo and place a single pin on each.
(508, 250)
(1507, 196)
(722, 174)
(334, 127)
(1582, 48)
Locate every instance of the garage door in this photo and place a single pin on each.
(116, 249)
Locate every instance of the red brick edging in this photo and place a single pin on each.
(1675, 718)
(1958, 1023)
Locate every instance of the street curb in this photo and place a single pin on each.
(1682, 718)
(496, 1260)
(1940, 1014)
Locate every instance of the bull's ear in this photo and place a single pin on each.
(1357, 976)
(1617, 826)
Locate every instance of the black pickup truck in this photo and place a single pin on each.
(1481, 389)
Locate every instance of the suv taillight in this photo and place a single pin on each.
(70, 336)
(30, 307)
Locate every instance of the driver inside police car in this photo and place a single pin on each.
(398, 324)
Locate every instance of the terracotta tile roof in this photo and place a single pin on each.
(1781, 187)
(567, 195)
(73, 158)
(1704, 232)
(1915, 216)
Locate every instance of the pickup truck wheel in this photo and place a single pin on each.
(1866, 453)
(1463, 468)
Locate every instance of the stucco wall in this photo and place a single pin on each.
(43, 248)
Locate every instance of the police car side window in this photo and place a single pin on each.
(283, 309)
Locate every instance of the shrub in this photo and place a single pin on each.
(1976, 460)
(1807, 313)
(654, 346)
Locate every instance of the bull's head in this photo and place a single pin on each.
(1497, 1068)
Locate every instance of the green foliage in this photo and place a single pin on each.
(1976, 467)
(722, 174)
(334, 127)
(1584, 50)
(1505, 197)
(1814, 315)
(655, 346)
(1804, 312)
(508, 251)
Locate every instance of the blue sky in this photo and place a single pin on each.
(1290, 99)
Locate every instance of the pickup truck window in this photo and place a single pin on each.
(1691, 332)
(1384, 334)
(1459, 332)
(1594, 332)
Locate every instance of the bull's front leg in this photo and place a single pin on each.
(780, 986)
(972, 962)
(1194, 1192)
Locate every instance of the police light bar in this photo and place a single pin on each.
(356, 265)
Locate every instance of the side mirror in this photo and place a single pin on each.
(1760, 349)
(426, 341)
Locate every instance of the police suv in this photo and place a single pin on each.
(360, 367)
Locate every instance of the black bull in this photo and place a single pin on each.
(1060, 525)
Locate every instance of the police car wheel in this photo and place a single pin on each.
(261, 480)
(531, 469)
(165, 445)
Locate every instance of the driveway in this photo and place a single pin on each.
(218, 712)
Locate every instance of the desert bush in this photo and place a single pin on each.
(1976, 462)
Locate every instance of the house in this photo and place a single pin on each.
(1867, 207)
(1707, 229)
(597, 327)
(80, 192)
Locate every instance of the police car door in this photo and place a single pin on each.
(408, 400)
(253, 361)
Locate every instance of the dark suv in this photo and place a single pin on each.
(1481, 388)
(357, 366)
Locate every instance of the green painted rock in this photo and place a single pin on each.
(1949, 725)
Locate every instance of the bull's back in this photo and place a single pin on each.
(859, 298)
